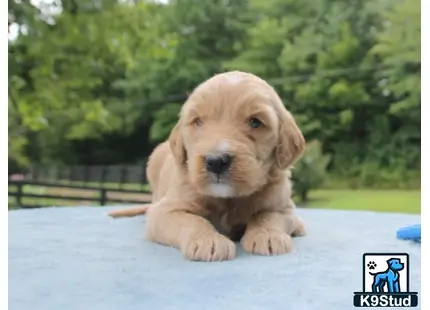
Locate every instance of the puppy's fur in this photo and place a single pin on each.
(199, 212)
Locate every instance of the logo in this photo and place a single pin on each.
(385, 281)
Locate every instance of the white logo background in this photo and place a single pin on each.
(381, 265)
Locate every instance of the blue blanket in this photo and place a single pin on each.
(80, 259)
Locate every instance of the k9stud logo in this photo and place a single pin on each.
(385, 281)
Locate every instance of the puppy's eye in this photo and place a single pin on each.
(255, 122)
(197, 122)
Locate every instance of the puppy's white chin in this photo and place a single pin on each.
(220, 190)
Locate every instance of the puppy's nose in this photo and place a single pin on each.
(218, 163)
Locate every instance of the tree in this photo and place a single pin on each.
(67, 72)
(320, 56)
(206, 33)
(98, 74)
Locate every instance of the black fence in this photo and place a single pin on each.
(118, 175)
(82, 185)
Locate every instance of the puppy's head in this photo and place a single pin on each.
(233, 132)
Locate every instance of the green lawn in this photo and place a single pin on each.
(404, 201)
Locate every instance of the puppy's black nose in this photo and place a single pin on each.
(218, 163)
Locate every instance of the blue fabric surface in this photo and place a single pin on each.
(80, 259)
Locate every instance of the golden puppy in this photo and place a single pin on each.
(224, 173)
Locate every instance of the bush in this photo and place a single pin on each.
(310, 171)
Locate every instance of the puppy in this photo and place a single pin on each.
(224, 173)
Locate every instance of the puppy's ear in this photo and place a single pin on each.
(291, 142)
(177, 144)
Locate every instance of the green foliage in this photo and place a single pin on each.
(98, 74)
(310, 171)
(339, 68)
(164, 120)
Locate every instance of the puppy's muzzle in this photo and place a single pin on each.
(218, 163)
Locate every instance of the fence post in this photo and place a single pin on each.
(103, 196)
(123, 179)
(19, 193)
(103, 176)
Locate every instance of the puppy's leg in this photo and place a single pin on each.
(195, 236)
(267, 233)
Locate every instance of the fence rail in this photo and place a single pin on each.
(119, 174)
(89, 184)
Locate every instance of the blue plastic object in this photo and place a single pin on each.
(410, 233)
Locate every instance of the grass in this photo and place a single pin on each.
(401, 201)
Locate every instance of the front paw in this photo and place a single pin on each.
(267, 242)
(209, 247)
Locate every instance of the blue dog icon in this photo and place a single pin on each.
(390, 277)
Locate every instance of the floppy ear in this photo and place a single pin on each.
(177, 145)
(291, 142)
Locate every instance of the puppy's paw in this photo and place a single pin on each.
(299, 229)
(209, 247)
(267, 242)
